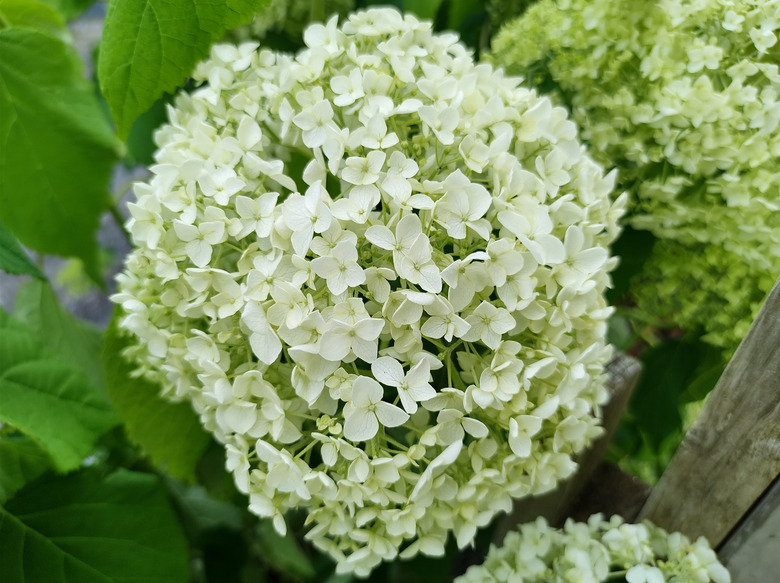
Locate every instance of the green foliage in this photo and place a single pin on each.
(56, 148)
(21, 461)
(70, 8)
(169, 433)
(283, 552)
(634, 248)
(74, 340)
(49, 398)
(201, 513)
(13, 259)
(33, 15)
(677, 375)
(84, 529)
(140, 143)
(150, 47)
(423, 8)
(665, 374)
(469, 18)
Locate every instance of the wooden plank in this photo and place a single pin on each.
(731, 455)
(751, 551)
(623, 372)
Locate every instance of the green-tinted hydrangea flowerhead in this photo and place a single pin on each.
(598, 551)
(288, 16)
(684, 99)
(376, 270)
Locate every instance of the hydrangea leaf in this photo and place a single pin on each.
(13, 259)
(423, 8)
(284, 553)
(84, 529)
(467, 17)
(170, 433)
(77, 341)
(56, 148)
(149, 47)
(201, 513)
(667, 370)
(634, 248)
(140, 141)
(35, 15)
(48, 398)
(21, 461)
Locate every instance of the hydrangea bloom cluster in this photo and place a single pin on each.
(597, 551)
(669, 285)
(376, 270)
(684, 98)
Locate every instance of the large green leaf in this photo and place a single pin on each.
(13, 259)
(47, 398)
(283, 552)
(423, 8)
(149, 47)
(467, 17)
(81, 529)
(56, 148)
(21, 461)
(76, 341)
(170, 433)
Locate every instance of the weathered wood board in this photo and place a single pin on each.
(731, 455)
(752, 551)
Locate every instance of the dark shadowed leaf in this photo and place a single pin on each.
(84, 529)
(283, 552)
(666, 371)
(13, 259)
(21, 461)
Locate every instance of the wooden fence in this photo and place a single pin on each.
(724, 480)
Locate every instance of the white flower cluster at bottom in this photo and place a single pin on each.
(596, 551)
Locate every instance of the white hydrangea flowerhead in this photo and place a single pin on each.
(684, 99)
(376, 269)
(596, 551)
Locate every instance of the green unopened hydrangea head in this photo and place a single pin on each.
(376, 270)
(598, 551)
(289, 17)
(684, 99)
